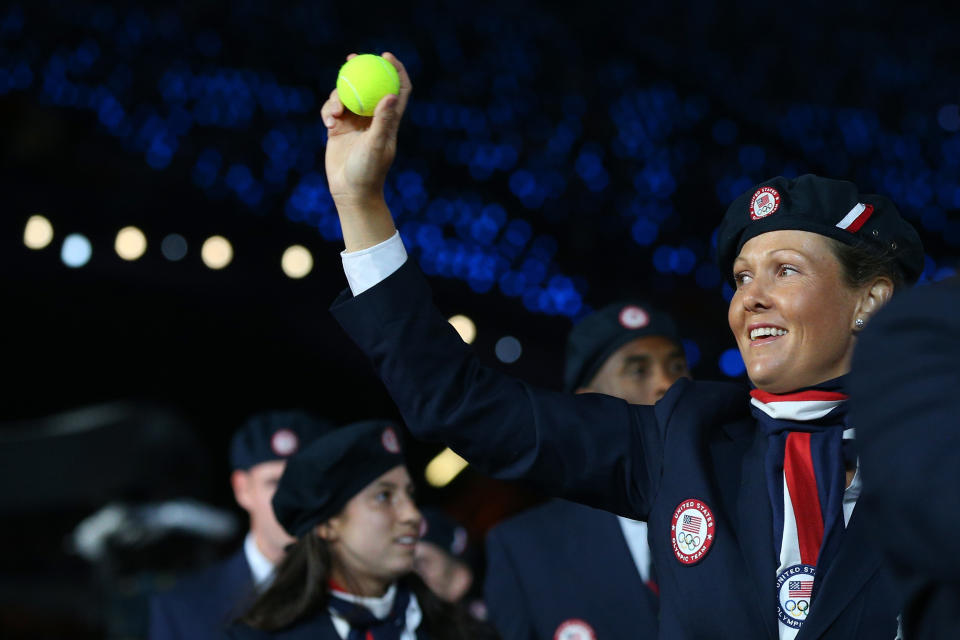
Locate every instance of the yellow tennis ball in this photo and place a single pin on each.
(364, 80)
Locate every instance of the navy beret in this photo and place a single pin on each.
(832, 208)
(320, 479)
(440, 529)
(274, 435)
(600, 334)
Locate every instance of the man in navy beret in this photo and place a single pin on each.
(201, 605)
(563, 570)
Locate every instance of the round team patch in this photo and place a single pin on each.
(764, 202)
(390, 441)
(574, 629)
(692, 531)
(795, 593)
(284, 442)
(633, 317)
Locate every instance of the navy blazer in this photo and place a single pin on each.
(203, 604)
(698, 443)
(319, 627)
(563, 562)
(909, 356)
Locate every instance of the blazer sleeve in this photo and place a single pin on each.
(506, 601)
(589, 448)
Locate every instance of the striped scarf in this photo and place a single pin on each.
(806, 462)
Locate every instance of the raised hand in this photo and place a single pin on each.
(359, 153)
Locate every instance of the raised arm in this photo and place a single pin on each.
(590, 448)
(359, 154)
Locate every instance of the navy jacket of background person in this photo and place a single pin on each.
(698, 445)
(562, 567)
(909, 355)
(201, 605)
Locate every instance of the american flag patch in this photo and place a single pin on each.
(800, 588)
(691, 524)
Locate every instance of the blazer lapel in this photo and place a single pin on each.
(237, 587)
(621, 562)
(743, 484)
(855, 563)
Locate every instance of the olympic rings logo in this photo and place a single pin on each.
(688, 540)
(797, 608)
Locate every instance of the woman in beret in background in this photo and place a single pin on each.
(749, 495)
(348, 500)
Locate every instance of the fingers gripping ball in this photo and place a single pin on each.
(364, 80)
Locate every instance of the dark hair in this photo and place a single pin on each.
(861, 263)
(299, 591)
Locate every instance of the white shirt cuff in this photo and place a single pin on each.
(371, 266)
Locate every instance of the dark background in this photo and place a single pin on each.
(553, 159)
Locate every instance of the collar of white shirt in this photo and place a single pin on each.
(380, 607)
(635, 533)
(260, 566)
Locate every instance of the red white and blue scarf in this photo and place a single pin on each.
(366, 626)
(806, 463)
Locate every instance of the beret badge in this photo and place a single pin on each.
(390, 441)
(764, 202)
(284, 442)
(633, 317)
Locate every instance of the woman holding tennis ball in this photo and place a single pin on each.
(749, 495)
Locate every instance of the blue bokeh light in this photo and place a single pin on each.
(724, 131)
(692, 352)
(731, 364)
(177, 96)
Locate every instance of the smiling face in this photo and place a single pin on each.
(374, 538)
(792, 314)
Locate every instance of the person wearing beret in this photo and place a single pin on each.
(749, 494)
(440, 558)
(348, 502)
(904, 401)
(200, 605)
(596, 575)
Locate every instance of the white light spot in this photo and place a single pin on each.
(216, 252)
(38, 233)
(465, 327)
(297, 261)
(444, 468)
(130, 243)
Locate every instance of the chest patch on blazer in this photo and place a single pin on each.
(692, 531)
(574, 629)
